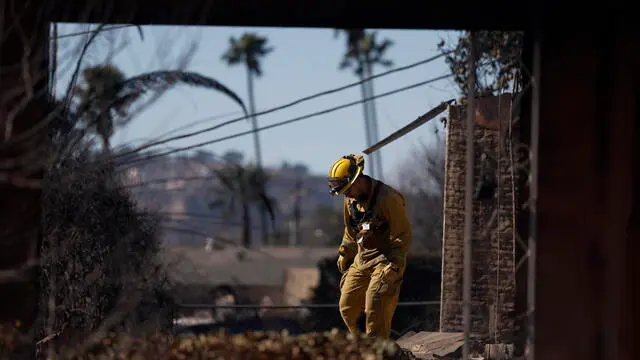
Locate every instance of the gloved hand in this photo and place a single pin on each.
(343, 263)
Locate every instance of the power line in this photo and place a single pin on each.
(186, 126)
(288, 105)
(197, 122)
(286, 122)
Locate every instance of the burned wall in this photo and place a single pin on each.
(493, 265)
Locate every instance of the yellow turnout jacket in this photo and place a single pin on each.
(388, 209)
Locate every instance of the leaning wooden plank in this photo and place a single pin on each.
(410, 127)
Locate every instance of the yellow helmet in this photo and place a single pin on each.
(344, 172)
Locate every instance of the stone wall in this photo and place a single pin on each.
(493, 285)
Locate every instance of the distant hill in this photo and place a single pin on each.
(180, 189)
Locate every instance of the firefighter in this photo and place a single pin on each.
(373, 253)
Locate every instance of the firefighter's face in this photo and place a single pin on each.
(357, 191)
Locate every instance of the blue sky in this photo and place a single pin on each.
(304, 62)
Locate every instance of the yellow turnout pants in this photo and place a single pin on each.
(375, 291)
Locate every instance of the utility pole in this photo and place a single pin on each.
(366, 109)
(373, 119)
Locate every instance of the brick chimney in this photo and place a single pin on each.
(493, 283)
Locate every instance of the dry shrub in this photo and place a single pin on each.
(254, 345)
(330, 345)
(99, 255)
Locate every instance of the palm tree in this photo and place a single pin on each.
(244, 186)
(363, 51)
(95, 97)
(249, 50)
(104, 99)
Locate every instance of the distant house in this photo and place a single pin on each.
(281, 276)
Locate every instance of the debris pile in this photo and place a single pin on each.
(221, 345)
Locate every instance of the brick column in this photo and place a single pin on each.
(493, 286)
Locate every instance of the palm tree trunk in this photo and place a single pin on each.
(365, 111)
(256, 143)
(373, 118)
(254, 120)
(246, 225)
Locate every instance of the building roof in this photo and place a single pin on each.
(261, 266)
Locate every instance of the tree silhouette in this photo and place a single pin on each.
(249, 50)
(499, 65)
(363, 52)
(244, 186)
(95, 98)
(104, 99)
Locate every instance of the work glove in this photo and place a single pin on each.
(343, 263)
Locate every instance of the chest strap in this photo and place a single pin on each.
(358, 217)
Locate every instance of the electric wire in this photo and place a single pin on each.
(196, 122)
(286, 122)
(287, 105)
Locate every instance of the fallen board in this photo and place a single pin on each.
(432, 344)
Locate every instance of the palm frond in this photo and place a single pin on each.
(232, 58)
(382, 47)
(158, 80)
(123, 103)
(267, 50)
(233, 55)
